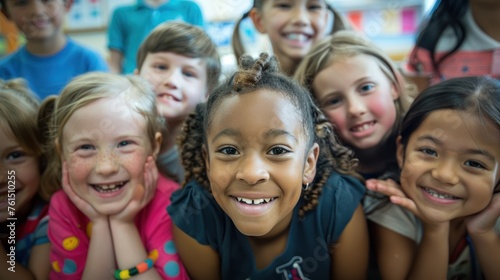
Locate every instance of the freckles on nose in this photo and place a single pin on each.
(106, 158)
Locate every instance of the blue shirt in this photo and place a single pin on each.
(48, 75)
(195, 211)
(130, 25)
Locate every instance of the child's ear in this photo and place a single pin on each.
(394, 92)
(58, 147)
(257, 20)
(157, 144)
(310, 165)
(400, 152)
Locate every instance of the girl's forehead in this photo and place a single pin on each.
(258, 110)
(464, 130)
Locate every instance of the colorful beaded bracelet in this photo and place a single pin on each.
(140, 268)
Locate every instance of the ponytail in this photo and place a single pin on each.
(236, 43)
(339, 22)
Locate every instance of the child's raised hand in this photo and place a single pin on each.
(142, 195)
(393, 190)
(485, 220)
(81, 204)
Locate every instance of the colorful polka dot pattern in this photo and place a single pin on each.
(69, 266)
(171, 268)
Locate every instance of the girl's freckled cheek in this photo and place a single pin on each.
(135, 161)
(78, 168)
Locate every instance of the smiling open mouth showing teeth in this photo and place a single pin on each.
(297, 36)
(108, 188)
(363, 127)
(439, 195)
(254, 201)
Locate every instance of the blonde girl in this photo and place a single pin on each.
(364, 96)
(109, 220)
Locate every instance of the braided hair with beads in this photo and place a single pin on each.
(264, 73)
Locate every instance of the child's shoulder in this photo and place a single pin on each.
(60, 201)
(164, 188)
(340, 196)
(341, 185)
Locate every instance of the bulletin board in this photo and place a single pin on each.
(393, 29)
(92, 15)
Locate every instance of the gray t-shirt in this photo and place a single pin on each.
(169, 164)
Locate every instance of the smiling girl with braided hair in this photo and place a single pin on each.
(268, 192)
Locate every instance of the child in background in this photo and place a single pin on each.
(460, 38)
(443, 222)
(21, 164)
(181, 62)
(292, 26)
(49, 59)
(363, 95)
(130, 25)
(109, 219)
(267, 201)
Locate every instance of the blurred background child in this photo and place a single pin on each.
(21, 165)
(49, 59)
(460, 38)
(130, 25)
(182, 65)
(363, 95)
(293, 28)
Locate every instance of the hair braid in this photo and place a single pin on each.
(332, 156)
(191, 141)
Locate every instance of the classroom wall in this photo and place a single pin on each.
(213, 10)
(381, 20)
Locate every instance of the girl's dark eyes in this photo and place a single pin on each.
(283, 5)
(278, 151)
(475, 164)
(160, 67)
(315, 7)
(228, 151)
(428, 151)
